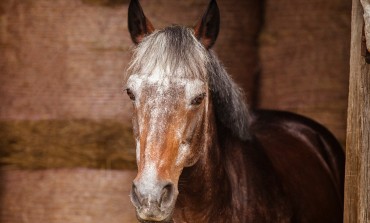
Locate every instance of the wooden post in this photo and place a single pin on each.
(357, 185)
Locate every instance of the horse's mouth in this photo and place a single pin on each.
(169, 220)
(143, 221)
(159, 217)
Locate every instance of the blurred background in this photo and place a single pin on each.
(66, 147)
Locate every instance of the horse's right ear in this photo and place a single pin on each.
(138, 25)
(206, 31)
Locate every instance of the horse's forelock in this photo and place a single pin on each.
(174, 51)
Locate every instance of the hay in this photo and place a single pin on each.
(66, 144)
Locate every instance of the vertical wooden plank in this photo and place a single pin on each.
(357, 185)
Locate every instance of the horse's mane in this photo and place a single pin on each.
(175, 51)
(228, 99)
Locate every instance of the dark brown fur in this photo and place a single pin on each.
(291, 171)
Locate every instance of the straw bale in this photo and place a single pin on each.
(305, 59)
(47, 144)
(60, 196)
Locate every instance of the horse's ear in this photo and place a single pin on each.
(208, 27)
(138, 25)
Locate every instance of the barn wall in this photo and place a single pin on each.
(60, 196)
(304, 55)
(62, 60)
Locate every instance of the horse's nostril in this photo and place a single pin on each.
(135, 196)
(167, 195)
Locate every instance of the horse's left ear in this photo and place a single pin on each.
(138, 25)
(208, 27)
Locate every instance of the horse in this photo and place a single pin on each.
(203, 155)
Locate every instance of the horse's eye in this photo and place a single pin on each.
(130, 94)
(198, 99)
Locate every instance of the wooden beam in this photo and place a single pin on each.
(357, 185)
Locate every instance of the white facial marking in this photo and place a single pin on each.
(194, 88)
(137, 150)
(182, 154)
(156, 109)
(134, 83)
(149, 178)
(158, 77)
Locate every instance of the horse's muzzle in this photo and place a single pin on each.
(153, 202)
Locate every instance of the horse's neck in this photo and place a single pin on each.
(230, 183)
(205, 188)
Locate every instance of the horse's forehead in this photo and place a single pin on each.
(166, 85)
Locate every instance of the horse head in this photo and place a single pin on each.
(168, 86)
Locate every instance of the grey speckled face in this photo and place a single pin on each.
(169, 120)
(162, 103)
(169, 88)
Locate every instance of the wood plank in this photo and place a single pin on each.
(357, 185)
